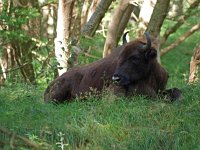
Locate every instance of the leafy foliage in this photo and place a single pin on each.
(12, 22)
(14, 29)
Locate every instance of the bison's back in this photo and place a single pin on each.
(79, 81)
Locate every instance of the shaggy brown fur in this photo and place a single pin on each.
(139, 71)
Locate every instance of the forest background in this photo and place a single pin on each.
(40, 40)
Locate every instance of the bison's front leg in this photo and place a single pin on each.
(133, 90)
(171, 94)
(141, 89)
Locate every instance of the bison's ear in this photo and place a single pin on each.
(151, 54)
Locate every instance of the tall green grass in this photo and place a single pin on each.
(109, 122)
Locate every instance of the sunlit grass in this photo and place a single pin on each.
(109, 122)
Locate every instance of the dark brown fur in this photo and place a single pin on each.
(80, 81)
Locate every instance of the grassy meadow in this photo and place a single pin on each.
(108, 122)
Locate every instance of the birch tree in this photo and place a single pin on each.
(62, 41)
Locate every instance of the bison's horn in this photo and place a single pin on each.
(148, 45)
(125, 37)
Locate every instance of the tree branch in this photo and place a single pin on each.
(25, 140)
(181, 39)
(180, 21)
(16, 68)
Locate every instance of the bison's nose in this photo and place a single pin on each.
(116, 78)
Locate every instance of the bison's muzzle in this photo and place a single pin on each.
(120, 80)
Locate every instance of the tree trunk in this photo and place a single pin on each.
(92, 8)
(48, 21)
(124, 21)
(113, 29)
(28, 58)
(195, 61)
(4, 65)
(6, 47)
(1, 5)
(77, 20)
(158, 16)
(145, 15)
(62, 41)
(92, 25)
(85, 12)
(89, 8)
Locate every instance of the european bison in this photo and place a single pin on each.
(131, 69)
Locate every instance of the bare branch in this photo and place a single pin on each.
(180, 21)
(181, 39)
(25, 140)
(16, 68)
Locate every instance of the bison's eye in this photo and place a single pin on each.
(135, 59)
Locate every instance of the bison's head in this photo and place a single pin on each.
(135, 62)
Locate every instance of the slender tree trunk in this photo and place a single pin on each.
(92, 25)
(195, 61)
(124, 21)
(89, 8)
(145, 15)
(62, 41)
(113, 29)
(92, 8)
(48, 21)
(4, 65)
(1, 6)
(158, 16)
(77, 20)
(85, 11)
(28, 58)
(4, 55)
